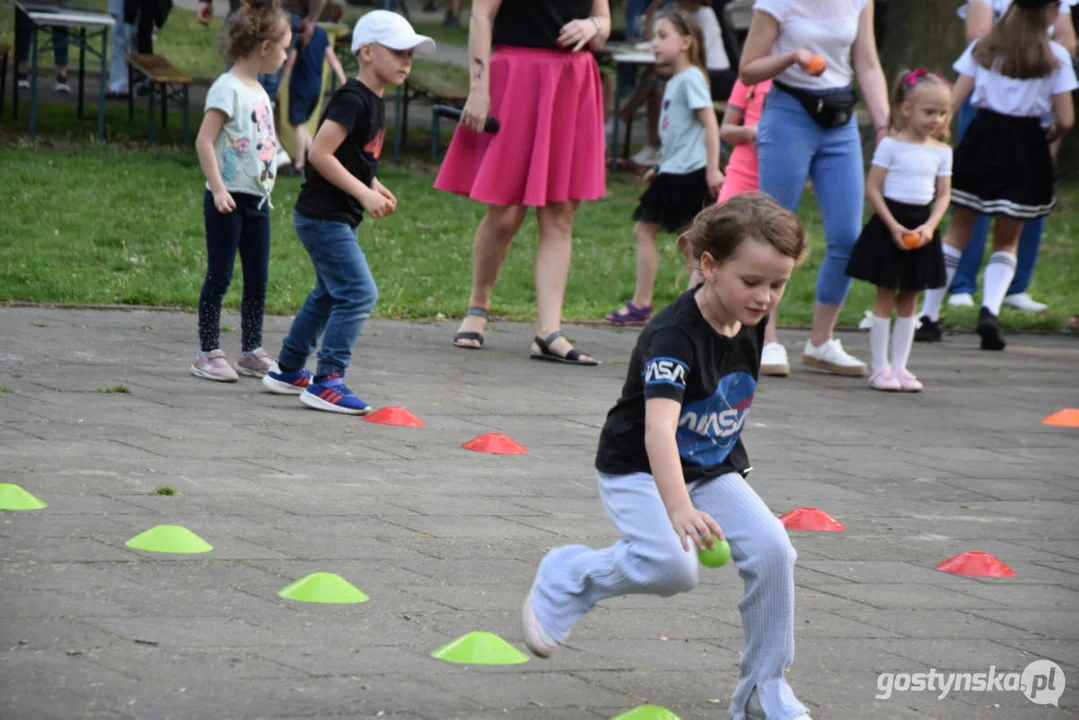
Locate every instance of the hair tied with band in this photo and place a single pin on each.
(915, 76)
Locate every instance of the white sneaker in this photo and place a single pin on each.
(537, 640)
(832, 357)
(774, 360)
(282, 158)
(648, 156)
(1024, 302)
(961, 300)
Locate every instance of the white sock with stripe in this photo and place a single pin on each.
(999, 272)
(933, 298)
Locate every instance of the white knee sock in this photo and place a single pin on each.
(878, 342)
(902, 339)
(933, 298)
(999, 272)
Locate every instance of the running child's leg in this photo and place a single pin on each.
(301, 142)
(343, 268)
(310, 321)
(999, 272)
(647, 262)
(765, 558)
(649, 559)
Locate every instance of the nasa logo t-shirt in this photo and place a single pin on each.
(680, 356)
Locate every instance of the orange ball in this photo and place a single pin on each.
(816, 64)
(912, 240)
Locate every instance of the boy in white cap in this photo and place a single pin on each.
(340, 185)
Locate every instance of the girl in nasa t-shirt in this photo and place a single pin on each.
(672, 466)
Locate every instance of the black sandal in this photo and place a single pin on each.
(573, 357)
(477, 336)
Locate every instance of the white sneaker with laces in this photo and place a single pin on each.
(774, 360)
(961, 300)
(1024, 302)
(282, 158)
(647, 157)
(832, 357)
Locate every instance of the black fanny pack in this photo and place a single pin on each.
(829, 111)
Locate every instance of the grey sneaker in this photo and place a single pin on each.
(255, 363)
(213, 366)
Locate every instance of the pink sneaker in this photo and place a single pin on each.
(883, 379)
(536, 638)
(907, 381)
(255, 363)
(213, 366)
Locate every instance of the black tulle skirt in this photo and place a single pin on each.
(876, 258)
(674, 200)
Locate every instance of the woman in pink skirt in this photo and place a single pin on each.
(530, 69)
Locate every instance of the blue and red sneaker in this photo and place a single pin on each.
(286, 383)
(332, 395)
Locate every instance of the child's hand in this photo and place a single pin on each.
(376, 205)
(715, 181)
(898, 234)
(751, 131)
(224, 202)
(650, 175)
(692, 524)
(811, 64)
(925, 234)
(381, 190)
(205, 13)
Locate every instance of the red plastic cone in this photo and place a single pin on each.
(392, 415)
(1068, 417)
(807, 518)
(496, 443)
(979, 564)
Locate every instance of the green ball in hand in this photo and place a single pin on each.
(715, 558)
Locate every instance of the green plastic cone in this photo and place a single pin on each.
(13, 497)
(480, 648)
(169, 539)
(647, 712)
(324, 587)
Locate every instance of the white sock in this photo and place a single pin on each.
(902, 339)
(933, 298)
(878, 342)
(999, 272)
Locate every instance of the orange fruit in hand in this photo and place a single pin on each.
(912, 240)
(816, 64)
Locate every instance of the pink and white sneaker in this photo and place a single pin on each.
(536, 638)
(885, 380)
(907, 381)
(213, 366)
(255, 363)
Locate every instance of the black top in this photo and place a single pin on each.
(681, 357)
(536, 23)
(364, 114)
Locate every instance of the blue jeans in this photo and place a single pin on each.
(342, 300)
(650, 560)
(121, 34)
(966, 277)
(792, 147)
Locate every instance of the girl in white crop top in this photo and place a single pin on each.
(899, 251)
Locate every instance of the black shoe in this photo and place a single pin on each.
(989, 329)
(928, 331)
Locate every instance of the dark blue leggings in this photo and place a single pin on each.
(247, 229)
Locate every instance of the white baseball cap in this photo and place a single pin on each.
(390, 30)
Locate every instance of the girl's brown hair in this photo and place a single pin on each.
(1020, 43)
(687, 25)
(903, 91)
(250, 25)
(720, 229)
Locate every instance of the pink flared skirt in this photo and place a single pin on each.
(549, 147)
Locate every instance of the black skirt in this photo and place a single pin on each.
(1003, 167)
(876, 258)
(672, 201)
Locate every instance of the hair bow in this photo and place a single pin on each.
(911, 79)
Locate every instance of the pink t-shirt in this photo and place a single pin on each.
(742, 167)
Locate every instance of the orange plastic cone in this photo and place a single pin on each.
(807, 518)
(497, 444)
(1068, 417)
(978, 564)
(391, 415)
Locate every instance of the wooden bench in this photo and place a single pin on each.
(172, 82)
(430, 86)
(3, 77)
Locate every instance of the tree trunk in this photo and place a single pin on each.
(919, 33)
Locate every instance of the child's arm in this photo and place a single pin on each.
(732, 130)
(707, 116)
(660, 425)
(1063, 116)
(940, 208)
(874, 183)
(962, 89)
(321, 156)
(384, 192)
(335, 65)
(212, 122)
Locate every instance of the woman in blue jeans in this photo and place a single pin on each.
(813, 49)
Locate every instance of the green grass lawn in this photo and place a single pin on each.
(109, 224)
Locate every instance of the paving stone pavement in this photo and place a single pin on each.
(445, 541)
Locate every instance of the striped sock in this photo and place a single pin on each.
(933, 298)
(999, 272)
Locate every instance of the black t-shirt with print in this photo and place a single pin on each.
(681, 357)
(364, 114)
